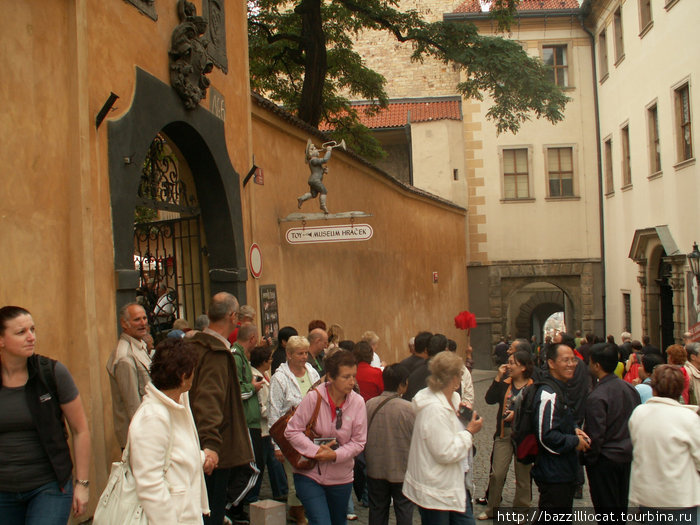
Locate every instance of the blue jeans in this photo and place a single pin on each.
(46, 505)
(446, 517)
(323, 504)
(275, 470)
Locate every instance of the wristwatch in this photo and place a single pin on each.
(84, 482)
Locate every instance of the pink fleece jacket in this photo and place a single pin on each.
(351, 436)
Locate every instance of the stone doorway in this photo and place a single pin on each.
(661, 281)
(199, 139)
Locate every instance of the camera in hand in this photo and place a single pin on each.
(465, 414)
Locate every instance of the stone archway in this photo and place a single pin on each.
(491, 289)
(532, 314)
(200, 136)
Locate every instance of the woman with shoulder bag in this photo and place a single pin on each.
(341, 423)
(165, 456)
(439, 477)
(504, 392)
(37, 396)
(289, 385)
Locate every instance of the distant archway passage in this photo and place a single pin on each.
(502, 297)
(533, 313)
(200, 138)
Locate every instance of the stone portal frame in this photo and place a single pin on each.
(575, 279)
(650, 247)
(200, 136)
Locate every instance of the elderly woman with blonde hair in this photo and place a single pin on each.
(373, 339)
(289, 384)
(666, 448)
(439, 476)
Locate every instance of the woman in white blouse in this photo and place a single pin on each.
(164, 451)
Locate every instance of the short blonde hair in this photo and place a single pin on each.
(371, 337)
(181, 324)
(296, 342)
(444, 367)
(335, 333)
(246, 311)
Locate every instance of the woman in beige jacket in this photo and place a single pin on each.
(165, 454)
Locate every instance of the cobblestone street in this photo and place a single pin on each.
(484, 440)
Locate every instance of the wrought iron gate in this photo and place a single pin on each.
(169, 254)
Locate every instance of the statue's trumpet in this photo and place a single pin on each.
(334, 144)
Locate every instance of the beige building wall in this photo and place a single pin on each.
(438, 159)
(541, 226)
(514, 246)
(657, 60)
(66, 57)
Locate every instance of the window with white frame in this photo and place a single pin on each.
(619, 40)
(654, 141)
(603, 53)
(626, 165)
(560, 171)
(556, 58)
(516, 183)
(684, 136)
(645, 17)
(607, 150)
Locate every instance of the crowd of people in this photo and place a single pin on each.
(625, 413)
(195, 418)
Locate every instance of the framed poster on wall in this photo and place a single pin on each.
(270, 315)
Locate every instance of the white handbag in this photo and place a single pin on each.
(119, 502)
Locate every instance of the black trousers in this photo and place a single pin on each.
(609, 482)
(554, 498)
(217, 482)
(381, 492)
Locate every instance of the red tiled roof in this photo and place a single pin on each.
(474, 6)
(397, 114)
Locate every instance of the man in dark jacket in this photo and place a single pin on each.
(608, 409)
(420, 352)
(500, 352)
(215, 398)
(558, 436)
(417, 380)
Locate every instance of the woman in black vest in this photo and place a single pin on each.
(37, 396)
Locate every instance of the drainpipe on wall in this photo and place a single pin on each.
(600, 166)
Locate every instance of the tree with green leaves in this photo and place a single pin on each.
(301, 56)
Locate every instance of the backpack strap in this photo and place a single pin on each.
(379, 408)
(46, 367)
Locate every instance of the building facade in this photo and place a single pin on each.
(124, 173)
(533, 199)
(647, 61)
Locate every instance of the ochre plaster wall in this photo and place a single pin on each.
(66, 57)
(384, 284)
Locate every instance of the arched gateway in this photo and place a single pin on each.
(199, 138)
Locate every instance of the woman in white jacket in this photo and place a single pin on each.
(665, 448)
(439, 474)
(164, 450)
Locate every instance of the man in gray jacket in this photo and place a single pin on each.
(390, 426)
(129, 368)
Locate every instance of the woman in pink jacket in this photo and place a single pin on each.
(325, 489)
